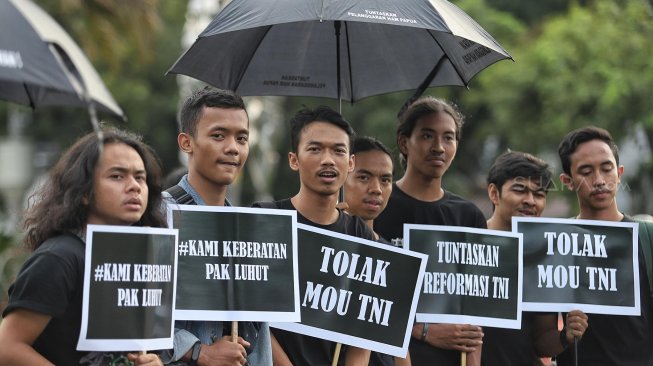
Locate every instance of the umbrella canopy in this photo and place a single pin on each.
(339, 49)
(40, 65)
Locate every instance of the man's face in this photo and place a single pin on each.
(368, 187)
(520, 196)
(595, 175)
(432, 145)
(119, 187)
(220, 146)
(322, 158)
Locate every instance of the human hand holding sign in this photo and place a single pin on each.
(223, 352)
(145, 359)
(459, 337)
(575, 325)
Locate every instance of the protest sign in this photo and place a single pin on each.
(356, 291)
(588, 265)
(473, 276)
(236, 263)
(129, 288)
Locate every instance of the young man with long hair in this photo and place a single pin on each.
(427, 137)
(113, 181)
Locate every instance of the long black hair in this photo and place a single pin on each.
(59, 203)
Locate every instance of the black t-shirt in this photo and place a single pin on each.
(302, 349)
(510, 346)
(618, 339)
(451, 210)
(51, 282)
(345, 224)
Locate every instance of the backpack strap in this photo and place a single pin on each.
(180, 195)
(645, 236)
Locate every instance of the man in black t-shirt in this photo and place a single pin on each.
(367, 190)
(590, 164)
(518, 184)
(368, 187)
(321, 141)
(111, 178)
(427, 138)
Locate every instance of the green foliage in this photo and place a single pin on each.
(529, 11)
(591, 66)
(503, 26)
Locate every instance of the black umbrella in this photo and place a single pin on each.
(40, 65)
(339, 49)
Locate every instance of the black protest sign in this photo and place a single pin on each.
(355, 291)
(472, 276)
(580, 264)
(129, 288)
(236, 263)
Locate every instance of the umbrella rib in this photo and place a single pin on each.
(32, 103)
(322, 12)
(249, 59)
(452, 64)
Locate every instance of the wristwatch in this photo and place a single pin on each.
(195, 355)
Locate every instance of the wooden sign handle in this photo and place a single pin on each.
(234, 331)
(336, 354)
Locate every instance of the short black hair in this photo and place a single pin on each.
(306, 116)
(368, 143)
(570, 143)
(192, 108)
(514, 164)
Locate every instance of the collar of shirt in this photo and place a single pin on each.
(183, 183)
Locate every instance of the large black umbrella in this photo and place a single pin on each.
(339, 49)
(40, 65)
